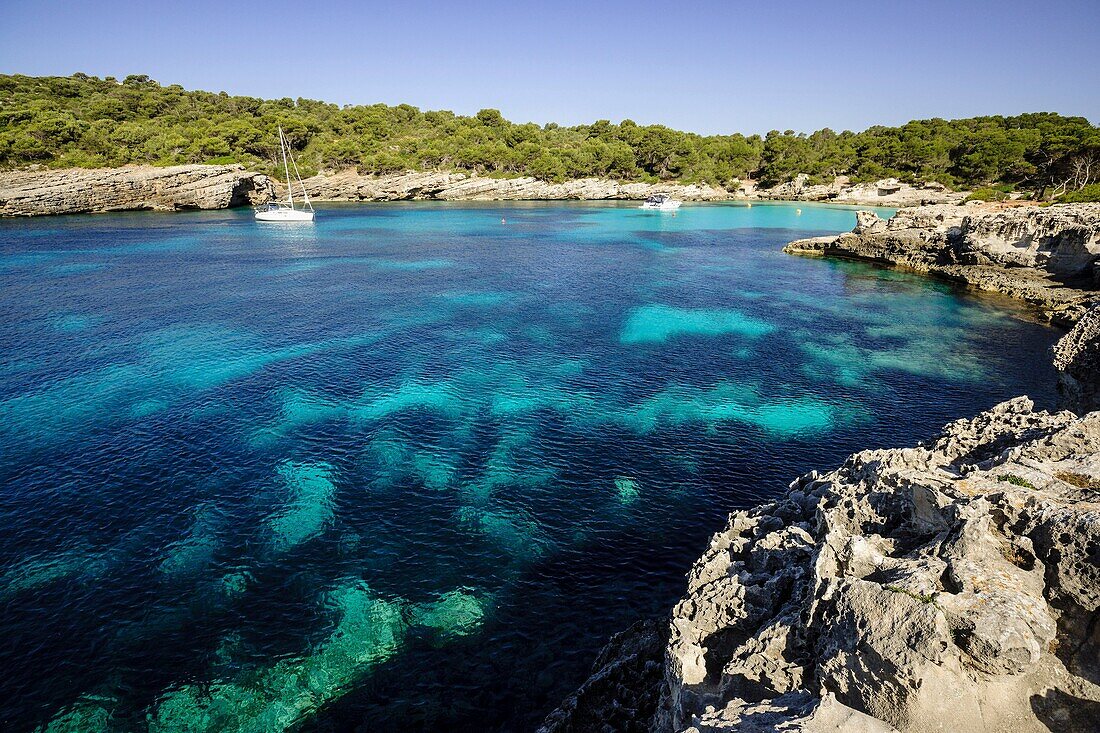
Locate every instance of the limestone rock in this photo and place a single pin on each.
(1063, 240)
(887, 192)
(70, 191)
(952, 586)
(1047, 256)
(868, 222)
(348, 185)
(795, 712)
(1077, 358)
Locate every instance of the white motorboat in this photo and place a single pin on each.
(660, 202)
(286, 211)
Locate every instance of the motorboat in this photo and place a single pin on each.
(287, 211)
(660, 202)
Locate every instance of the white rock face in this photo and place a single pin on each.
(1063, 240)
(349, 185)
(887, 192)
(78, 190)
(949, 587)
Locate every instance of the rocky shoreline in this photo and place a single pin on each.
(131, 188)
(1046, 256)
(951, 586)
(349, 185)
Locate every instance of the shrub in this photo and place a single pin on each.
(1009, 478)
(1079, 480)
(1087, 195)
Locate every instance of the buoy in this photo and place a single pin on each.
(798, 211)
(750, 204)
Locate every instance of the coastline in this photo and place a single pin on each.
(787, 584)
(46, 192)
(945, 586)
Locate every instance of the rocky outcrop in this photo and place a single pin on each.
(954, 586)
(1077, 358)
(888, 192)
(348, 185)
(1047, 256)
(71, 191)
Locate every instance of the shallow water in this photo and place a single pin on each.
(413, 465)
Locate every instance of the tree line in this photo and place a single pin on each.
(85, 121)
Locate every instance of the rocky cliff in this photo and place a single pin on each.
(348, 185)
(70, 191)
(1047, 256)
(416, 185)
(37, 192)
(888, 192)
(954, 586)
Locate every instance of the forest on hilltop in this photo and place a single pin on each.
(85, 121)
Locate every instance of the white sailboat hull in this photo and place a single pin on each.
(283, 212)
(664, 206)
(284, 215)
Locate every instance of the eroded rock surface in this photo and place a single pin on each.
(348, 185)
(1077, 359)
(953, 586)
(78, 190)
(887, 192)
(1047, 256)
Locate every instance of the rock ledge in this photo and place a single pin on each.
(173, 188)
(1046, 256)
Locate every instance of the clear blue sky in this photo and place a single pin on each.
(702, 66)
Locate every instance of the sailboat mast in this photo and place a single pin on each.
(286, 168)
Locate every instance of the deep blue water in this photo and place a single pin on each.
(413, 465)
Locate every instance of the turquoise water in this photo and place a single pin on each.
(413, 465)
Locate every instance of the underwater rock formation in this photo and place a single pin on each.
(1047, 256)
(139, 187)
(951, 586)
(623, 691)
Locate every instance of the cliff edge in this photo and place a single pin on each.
(131, 188)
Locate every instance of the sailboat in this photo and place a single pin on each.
(284, 211)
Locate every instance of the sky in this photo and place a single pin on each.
(708, 67)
